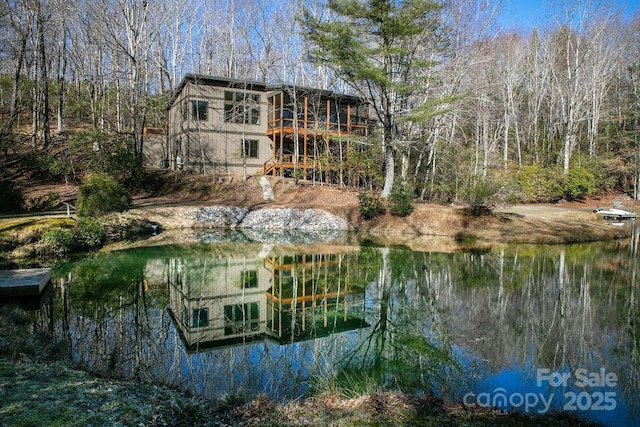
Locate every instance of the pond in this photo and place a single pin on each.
(533, 328)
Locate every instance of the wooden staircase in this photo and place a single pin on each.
(269, 167)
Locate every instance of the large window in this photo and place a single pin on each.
(199, 110)
(250, 148)
(241, 318)
(241, 107)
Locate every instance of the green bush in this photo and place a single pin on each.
(603, 168)
(59, 240)
(481, 196)
(371, 205)
(90, 233)
(401, 199)
(580, 183)
(126, 166)
(539, 184)
(11, 197)
(549, 184)
(101, 194)
(53, 198)
(46, 165)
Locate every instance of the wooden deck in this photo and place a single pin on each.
(23, 283)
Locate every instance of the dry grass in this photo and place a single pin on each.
(566, 223)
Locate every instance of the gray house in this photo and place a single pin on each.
(223, 125)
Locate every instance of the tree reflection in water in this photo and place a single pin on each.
(247, 318)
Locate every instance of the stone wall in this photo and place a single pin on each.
(311, 220)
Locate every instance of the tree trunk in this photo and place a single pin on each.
(505, 148)
(35, 112)
(389, 164)
(388, 137)
(405, 162)
(485, 146)
(62, 71)
(43, 76)
(15, 90)
(568, 141)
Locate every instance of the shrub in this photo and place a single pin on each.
(580, 183)
(11, 197)
(56, 167)
(126, 165)
(371, 205)
(101, 194)
(540, 184)
(482, 196)
(59, 240)
(603, 169)
(401, 199)
(90, 233)
(111, 155)
(53, 198)
(550, 184)
(46, 165)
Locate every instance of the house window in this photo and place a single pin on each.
(200, 317)
(199, 110)
(250, 148)
(241, 318)
(241, 107)
(249, 279)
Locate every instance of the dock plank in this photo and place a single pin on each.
(28, 282)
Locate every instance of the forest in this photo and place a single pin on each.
(468, 109)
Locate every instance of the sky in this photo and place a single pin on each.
(524, 14)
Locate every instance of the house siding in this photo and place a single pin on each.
(209, 118)
(213, 144)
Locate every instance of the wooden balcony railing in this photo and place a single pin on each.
(317, 127)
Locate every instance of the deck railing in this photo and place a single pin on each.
(318, 127)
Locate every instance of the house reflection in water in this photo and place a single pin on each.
(282, 297)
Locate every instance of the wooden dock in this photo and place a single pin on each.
(23, 283)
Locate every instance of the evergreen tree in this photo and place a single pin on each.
(378, 47)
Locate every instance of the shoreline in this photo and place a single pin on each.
(326, 212)
(522, 224)
(430, 228)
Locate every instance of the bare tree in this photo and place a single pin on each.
(130, 29)
(509, 57)
(16, 41)
(41, 21)
(573, 44)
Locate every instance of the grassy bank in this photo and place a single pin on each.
(40, 387)
(36, 239)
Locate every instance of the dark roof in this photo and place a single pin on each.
(222, 81)
(218, 81)
(323, 92)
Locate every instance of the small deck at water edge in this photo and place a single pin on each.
(23, 283)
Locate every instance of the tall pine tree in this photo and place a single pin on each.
(378, 47)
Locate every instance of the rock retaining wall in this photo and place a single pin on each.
(311, 220)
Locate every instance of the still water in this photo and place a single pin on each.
(530, 328)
